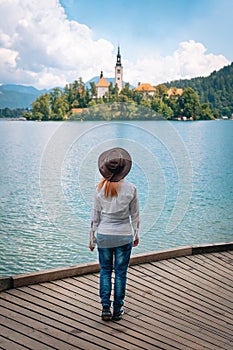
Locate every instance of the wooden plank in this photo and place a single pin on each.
(54, 305)
(129, 335)
(169, 291)
(40, 330)
(151, 312)
(172, 278)
(228, 253)
(70, 271)
(221, 273)
(180, 303)
(196, 286)
(160, 255)
(216, 263)
(9, 344)
(67, 330)
(22, 334)
(220, 261)
(44, 276)
(188, 311)
(223, 262)
(210, 276)
(170, 299)
(6, 283)
(210, 248)
(142, 327)
(171, 294)
(157, 312)
(86, 315)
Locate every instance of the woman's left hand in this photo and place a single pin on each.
(91, 247)
(136, 242)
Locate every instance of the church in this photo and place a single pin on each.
(103, 85)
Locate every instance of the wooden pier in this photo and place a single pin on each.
(178, 299)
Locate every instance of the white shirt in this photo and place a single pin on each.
(116, 215)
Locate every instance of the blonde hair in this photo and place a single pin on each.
(111, 189)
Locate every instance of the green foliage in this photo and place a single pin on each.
(58, 104)
(216, 89)
(41, 108)
(202, 98)
(12, 113)
(188, 104)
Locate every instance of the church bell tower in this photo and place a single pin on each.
(119, 71)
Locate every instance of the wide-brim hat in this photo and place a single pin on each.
(114, 164)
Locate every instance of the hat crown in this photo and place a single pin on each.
(114, 164)
(115, 161)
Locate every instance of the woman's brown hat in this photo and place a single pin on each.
(114, 164)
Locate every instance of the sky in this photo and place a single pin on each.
(49, 43)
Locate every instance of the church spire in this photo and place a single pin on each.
(118, 62)
(119, 71)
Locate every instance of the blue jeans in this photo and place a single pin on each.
(117, 258)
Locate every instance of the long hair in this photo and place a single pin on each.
(111, 189)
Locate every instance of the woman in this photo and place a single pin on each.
(115, 214)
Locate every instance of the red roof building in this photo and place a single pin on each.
(146, 88)
(102, 86)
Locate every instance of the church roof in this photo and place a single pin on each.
(102, 83)
(145, 87)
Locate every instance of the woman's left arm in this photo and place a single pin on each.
(135, 217)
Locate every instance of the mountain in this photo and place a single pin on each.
(18, 96)
(216, 89)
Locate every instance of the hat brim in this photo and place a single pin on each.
(105, 171)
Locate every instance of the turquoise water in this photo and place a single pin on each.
(48, 171)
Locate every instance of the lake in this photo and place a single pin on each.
(48, 170)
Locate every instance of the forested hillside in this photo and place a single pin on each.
(194, 99)
(216, 89)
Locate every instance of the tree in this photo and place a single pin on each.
(161, 91)
(205, 112)
(126, 93)
(189, 104)
(41, 108)
(93, 90)
(167, 112)
(58, 104)
(216, 89)
(69, 93)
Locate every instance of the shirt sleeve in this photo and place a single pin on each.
(134, 213)
(96, 210)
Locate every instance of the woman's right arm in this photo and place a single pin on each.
(94, 222)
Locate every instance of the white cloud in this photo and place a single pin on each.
(45, 48)
(188, 61)
(41, 47)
